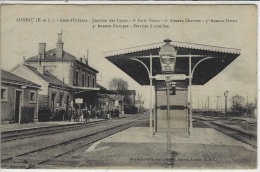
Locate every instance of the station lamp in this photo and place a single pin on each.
(167, 56)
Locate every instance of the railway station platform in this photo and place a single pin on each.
(11, 127)
(205, 149)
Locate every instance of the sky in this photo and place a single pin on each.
(20, 38)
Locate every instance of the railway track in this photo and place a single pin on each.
(245, 137)
(37, 157)
(41, 131)
(32, 132)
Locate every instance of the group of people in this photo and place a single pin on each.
(85, 114)
(72, 114)
(114, 113)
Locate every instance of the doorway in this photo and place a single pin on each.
(53, 100)
(67, 103)
(18, 102)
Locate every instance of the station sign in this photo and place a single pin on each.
(173, 77)
(79, 101)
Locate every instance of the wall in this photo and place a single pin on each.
(66, 71)
(59, 69)
(58, 92)
(131, 99)
(23, 71)
(83, 69)
(178, 110)
(8, 107)
(43, 100)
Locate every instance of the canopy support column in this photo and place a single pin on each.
(151, 106)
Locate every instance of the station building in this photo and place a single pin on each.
(64, 78)
(19, 99)
(76, 73)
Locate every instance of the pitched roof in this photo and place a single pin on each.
(220, 58)
(10, 77)
(176, 44)
(47, 76)
(50, 56)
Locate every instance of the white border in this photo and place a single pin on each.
(72, 2)
(149, 3)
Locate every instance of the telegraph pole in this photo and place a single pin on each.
(226, 94)
(198, 103)
(246, 105)
(217, 103)
(208, 104)
(220, 104)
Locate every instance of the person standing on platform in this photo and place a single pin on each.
(70, 113)
(116, 113)
(85, 113)
(112, 113)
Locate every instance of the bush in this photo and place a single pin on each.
(27, 114)
(130, 109)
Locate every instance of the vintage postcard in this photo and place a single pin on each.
(129, 87)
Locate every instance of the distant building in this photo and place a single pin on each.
(53, 93)
(129, 96)
(110, 99)
(19, 99)
(124, 100)
(106, 99)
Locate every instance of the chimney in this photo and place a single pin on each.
(40, 59)
(80, 59)
(42, 47)
(40, 68)
(86, 59)
(59, 46)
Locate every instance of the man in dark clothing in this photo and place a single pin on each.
(112, 113)
(116, 113)
(86, 114)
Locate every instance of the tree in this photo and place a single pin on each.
(238, 103)
(119, 85)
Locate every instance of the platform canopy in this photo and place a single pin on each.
(204, 72)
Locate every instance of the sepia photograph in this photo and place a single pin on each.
(86, 87)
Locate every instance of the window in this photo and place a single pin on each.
(4, 94)
(93, 80)
(76, 77)
(32, 96)
(83, 80)
(88, 80)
